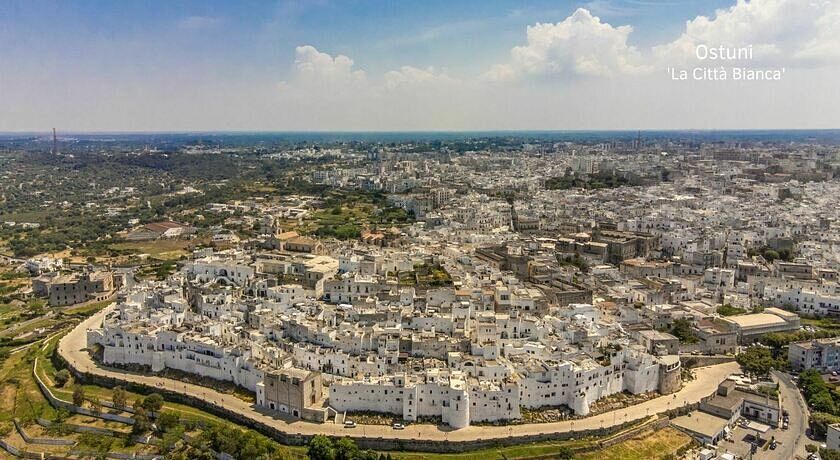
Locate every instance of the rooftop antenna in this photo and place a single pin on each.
(55, 143)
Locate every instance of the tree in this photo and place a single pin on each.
(141, 421)
(320, 447)
(62, 377)
(822, 402)
(757, 360)
(681, 329)
(61, 415)
(153, 402)
(167, 420)
(775, 340)
(346, 449)
(78, 395)
(817, 393)
(171, 437)
(565, 453)
(819, 422)
(811, 382)
(95, 406)
(770, 255)
(119, 397)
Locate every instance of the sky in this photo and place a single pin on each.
(430, 65)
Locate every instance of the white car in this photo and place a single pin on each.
(349, 424)
(398, 426)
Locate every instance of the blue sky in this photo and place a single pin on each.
(163, 65)
(454, 34)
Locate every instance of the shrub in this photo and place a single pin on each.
(62, 377)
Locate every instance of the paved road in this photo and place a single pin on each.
(72, 347)
(792, 442)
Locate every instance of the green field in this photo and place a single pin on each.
(346, 213)
(513, 452)
(655, 445)
(649, 445)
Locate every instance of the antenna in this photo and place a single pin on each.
(55, 143)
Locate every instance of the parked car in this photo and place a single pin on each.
(773, 445)
(398, 426)
(349, 424)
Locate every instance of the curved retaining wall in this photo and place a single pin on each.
(57, 402)
(80, 428)
(419, 444)
(44, 441)
(376, 443)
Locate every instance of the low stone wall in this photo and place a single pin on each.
(59, 403)
(17, 452)
(116, 455)
(80, 428)
(691, 361)
(656, 425)
(611, 436)
(682, 410)
(44, 441)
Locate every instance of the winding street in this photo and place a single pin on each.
(72, 348)
(792, 441)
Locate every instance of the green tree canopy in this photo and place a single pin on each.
(758, 360)
(320, 447)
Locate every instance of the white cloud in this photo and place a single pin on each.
(312, 64)
(788, 31)
(408, 76)
(580, 45)
(315, 71)
(199, 22)
(330, 92)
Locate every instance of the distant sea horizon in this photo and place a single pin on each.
(708, 135)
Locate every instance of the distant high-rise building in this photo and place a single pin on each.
(584, 165)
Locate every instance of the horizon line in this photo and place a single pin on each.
(466, 131)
